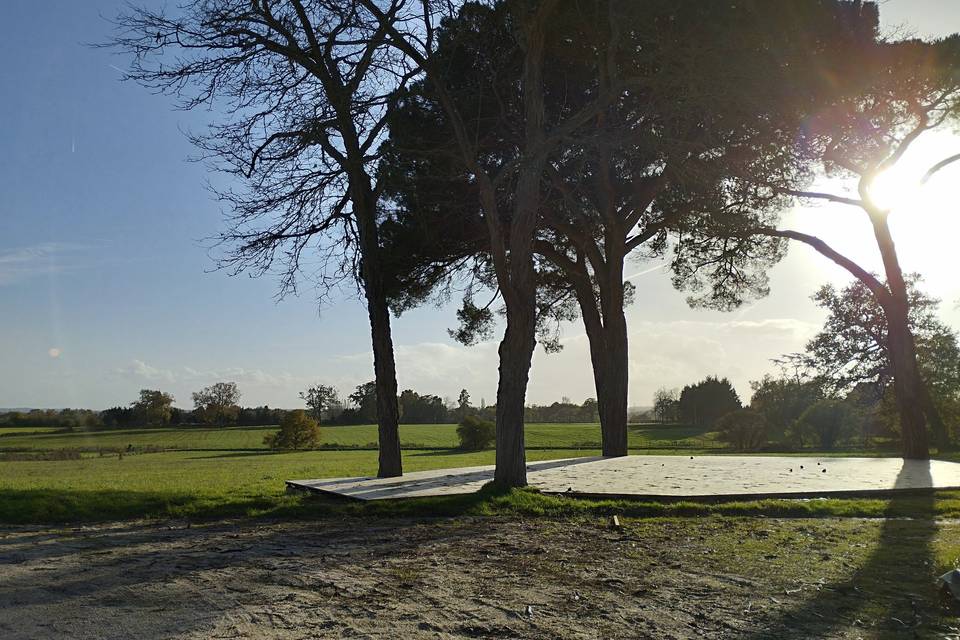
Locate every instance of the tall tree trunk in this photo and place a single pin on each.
(907, 382)
(515, 270)
(516, 354)
(614, 427)
(384, 365)
(615, 342)
(607, 337)
(608, 355)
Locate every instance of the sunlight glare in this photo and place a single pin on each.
(924, 220)
(895, 188)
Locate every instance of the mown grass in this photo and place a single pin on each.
(440, 436)
(226, 472)
(25, 431)
(204, 484)
(191, 483)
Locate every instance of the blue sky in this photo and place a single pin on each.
(106, 286)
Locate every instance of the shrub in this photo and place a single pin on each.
(827, 421)
(744, 429)
(476, 434)
(297, 431)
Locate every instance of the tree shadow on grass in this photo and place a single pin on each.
(237, 453)
(52, 506)
(573, 450)
(72, 508)
(451, 451)
(891, 594)
(432, 482)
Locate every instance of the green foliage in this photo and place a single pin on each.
(463, 408)
(153, 407)
(474, 323)
(297, 431)
(320, 399)
(364, 399)
(476, 434)
(758, 69)
(256, 416)
(421, 409)
(72, 419)
(218, 403)
(705, 402)
(564, 411)
(744, 429)
(828, 423)
(852, 346)
(781, 401)
(850, 353)
(938, 354)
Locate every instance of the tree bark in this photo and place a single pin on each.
(607, 337)
(602, 369)
(516, 274)
(613, 426)
(384, 365)
(908, 384)
(516, 354)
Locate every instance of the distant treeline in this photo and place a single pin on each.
(216, 405)
(125, 417)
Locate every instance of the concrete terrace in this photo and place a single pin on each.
(670, 478)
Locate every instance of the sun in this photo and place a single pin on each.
(925, 216)
(895, 189)
(924, 220)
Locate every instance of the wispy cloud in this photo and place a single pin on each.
(21, 263)
(665, 353)
(141, 370)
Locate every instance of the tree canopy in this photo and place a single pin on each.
(707, 401)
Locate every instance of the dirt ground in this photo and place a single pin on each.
(476, 578)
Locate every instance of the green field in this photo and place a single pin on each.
(208, 472)
(414, 436)
(14, 431)
(193, 471)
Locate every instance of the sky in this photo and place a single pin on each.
(107, 285)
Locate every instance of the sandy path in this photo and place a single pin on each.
(482, 578)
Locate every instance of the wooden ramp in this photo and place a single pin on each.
(670, 478)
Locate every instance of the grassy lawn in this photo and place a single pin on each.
(209, 472)
(192, 483)
(194, 471)
(412, 436)
(21, 431)
(199, 484)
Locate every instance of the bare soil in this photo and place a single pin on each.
(476, 578)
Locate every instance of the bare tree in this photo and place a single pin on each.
(665, 404)
(305, 87)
